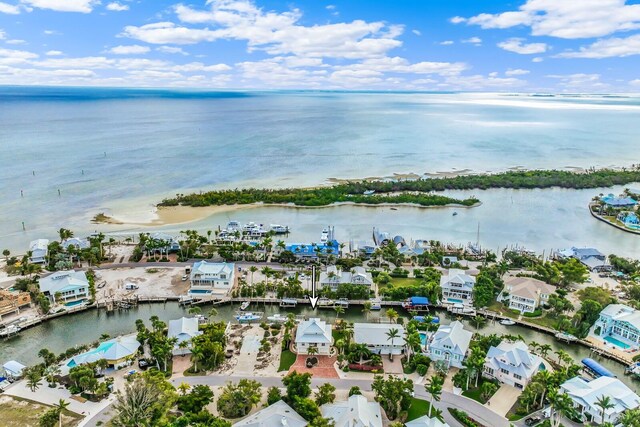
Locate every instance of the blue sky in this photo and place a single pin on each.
(516, 46)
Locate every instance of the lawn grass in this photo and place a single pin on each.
(475, 392)
(18, 412)
(287, 358)
(419, 408)
(399, 282)
(544, 320)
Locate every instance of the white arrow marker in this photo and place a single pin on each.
(313, 299)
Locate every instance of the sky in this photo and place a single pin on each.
(455, 45)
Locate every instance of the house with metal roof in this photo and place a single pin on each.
(171, 242)
(618, 326)
(621, 201)
(277, 415)
(376, 337)
(117, 352)
(425, 421)
(457, 287)
(526, 294)
(585, 395)
(312, 251)
(334, 277)
(183, 329)
(13, 370)
(76, 242)
(511, 363)
(211, 278)
(65, 286)
(355, 412)
(39, 249)
(314, 333)
(450, 344)
(381, 238)
(592, 258)
(362, 248)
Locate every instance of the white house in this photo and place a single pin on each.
(618, 326)
(13, 370)
(277, 415)
(184, 329)
(457, 287)
(585, 395)
(77, 242)
(355, 412)
(450, 344)
(526, 294)
(39, 249)
(171, 243)
(375, 337)
(511, 363)
(314, 333)
(70, 285)
(592, 258)
(118, 352)
(211, 278)
(425, 421)
(334, 277)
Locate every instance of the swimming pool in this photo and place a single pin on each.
(455, 300)
(616, 342)
(74, 303)
(423, 338)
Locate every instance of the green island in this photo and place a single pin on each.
(417, 192)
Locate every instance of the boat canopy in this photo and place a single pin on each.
(422, 319)
(289, 301)
(419, 300)
(596, 368)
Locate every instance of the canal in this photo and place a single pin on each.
(64, 332)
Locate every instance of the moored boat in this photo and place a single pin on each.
(244, 305)
(325, 303)
(279, 229)
(324, 237)
(277, 318)
(375, 304)
(563, 336)
(507, 322)
(248, 316)
(342, 302)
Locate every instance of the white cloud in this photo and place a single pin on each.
(607, 48)
(401, 65)
(11, 56)
(416, 32)
(272, 32)
(171, 50)
(82, 6)
(447, 42)
(537, 59)
(198, 66)
(53, 53)
(9, 9)
(117, 7)
(51, 33)
(635, 82)
(516, 72)
(480, 82)
(565, 19)
(580, 81)
(457, 20)
(16, 41)
(331, 7)
(517, 45)
(473, 40)
(129, 50)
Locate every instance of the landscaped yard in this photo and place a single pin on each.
(287, 358)
(405, 281)
(17, 412)
(475, 393)
(419, 408)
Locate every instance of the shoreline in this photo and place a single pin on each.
(182, 214)
(599, 218)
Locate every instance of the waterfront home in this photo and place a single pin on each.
(526, 294)
(592, 258)
(67, 287)
(618, 325)
(170, 243)
(512, 364)
(620, 202)
(39, 249)
(425, 421)
(585, 395)
(278, 414)
(209, 278)
(314, 333)
(375, 337)
(457, 287)
(13, 301)
(334, 277)
(362, 248)
(381, 238)
(314, 250)
(118, 352)
(629, 219)
(450, 344)
(183, 329)
(354, 412)
(76, 242)
(13, 370)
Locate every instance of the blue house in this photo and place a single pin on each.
(313, 250)
(630, 220)
(618, 202)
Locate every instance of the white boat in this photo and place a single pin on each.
(9, 330)
(244, 305)
(248, 317)
(343, 302)
(324, 237)
(233, 226)
(279, 229)
(507, 322)
(563, 336)
(375, 304)
(325, 303)
(277, 318)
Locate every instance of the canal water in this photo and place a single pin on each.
(64, 332)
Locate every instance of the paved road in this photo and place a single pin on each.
(479, 412)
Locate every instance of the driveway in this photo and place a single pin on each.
(503, 399)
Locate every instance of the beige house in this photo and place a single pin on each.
(12, 301)
(314, 333)
(526, 294)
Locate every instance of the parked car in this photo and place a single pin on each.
(532, 421)
(130, 286)
(143, 364)
(185, 278)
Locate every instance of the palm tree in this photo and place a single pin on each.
(136, 404)
(366, 309)
(60, 407)
(339, 310)
(194, 310)
(212, 313)
(391, 335)
(392, 315)
(33, 379)
(183, 388)
(434, 388)
(312, 351)
(360, 351)
(630, 418)
(561, 405)
(412, 341)
(604, 402)
(252, 269)
(544, 349)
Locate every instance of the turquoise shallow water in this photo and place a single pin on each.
(112, 149)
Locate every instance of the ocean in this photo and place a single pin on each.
(120, 150)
